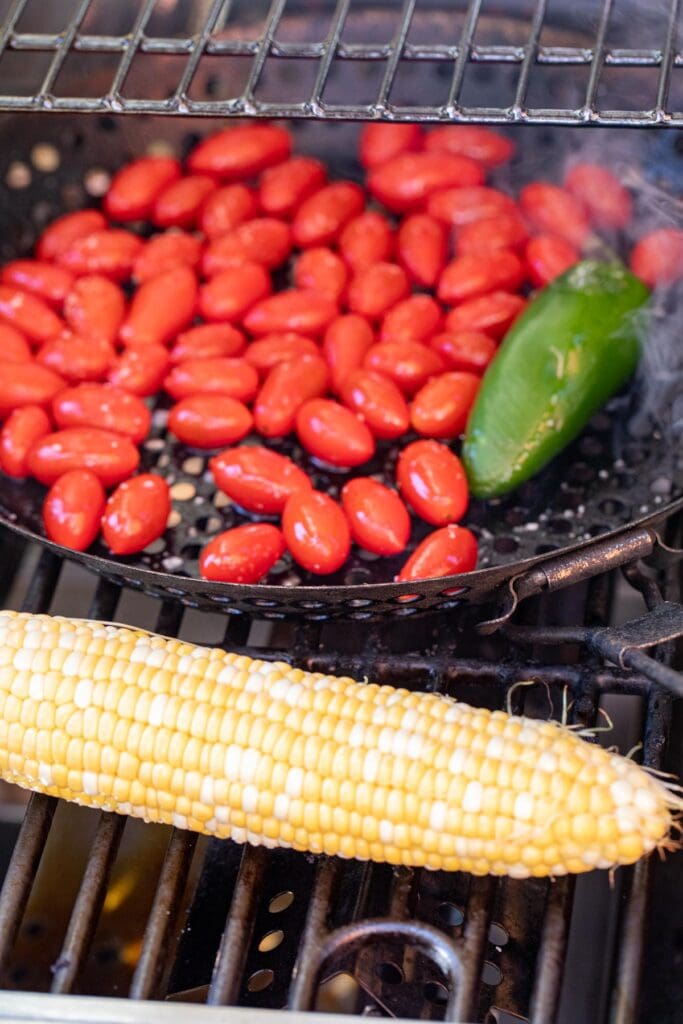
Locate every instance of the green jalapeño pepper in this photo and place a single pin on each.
(573, 347)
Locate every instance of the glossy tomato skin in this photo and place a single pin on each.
(21, 430)
(320, 270)
(493, 314)
(316, 532)
(548, 256)
(165, 252)
(421, 247)
(607, 201)
(233, 292)
(136, 187)
(480, 273)
(209, 421)
(179, 204)
(59, 235)
(136, 513)
(272, 349)
(470, 351)
(416, 318)
(160, 308)
(381, 141)
(431, 478)
(446, 552)
(406, 181)
(27, 384)
(378, 518)
(14, 348)
(296, 309)
(50, 283)
(244, 554)
(258, 479)
(409, 364)
(366, 239)
(504, 231)
(241, 151)
(95, 308)
(285, 389)
(226, 208)
(375, 290)
(76, 358)
(459, 206)
(473, 140)
(208, 341)
(140, 371)
(111, 457)
(657, 258)
(28, 314)
(264, 240)
(73, 509)
(554, 210)
(111, 252)
(283, 188)
(378, 401)
(233, 377)
(321, 217)
(332, 433)
(440, 409)
(346, 341)
(105, 406)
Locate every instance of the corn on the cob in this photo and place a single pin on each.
(127, 721)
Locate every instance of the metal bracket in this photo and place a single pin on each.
(663, 623)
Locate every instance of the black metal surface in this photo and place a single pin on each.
(593, 39)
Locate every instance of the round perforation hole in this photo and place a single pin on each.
(498, 935)
(435, 992)
(271, 940)
(281, 902)
(491, 974)
(451, 914)
(389, 972)
(260, 980)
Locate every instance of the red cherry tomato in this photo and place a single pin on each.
(208, 341)
(459, 206)
(347, 339)
(111, 457)
(111, 252)
(416, 318)
(14, 347)
(405, 181)
(258, 479)
(378, 401)
(140, 371)
(366, 239)
(21, 430)
(95, 308)
(160, 308)
(658, 257)
(321, 270)
(136, 187)
(284, 187)
(232, 293)
(50, 283)
(492, 314)
(378, 518)
(296, 309)
(241, 151)
(321, 217)
(76, 358)
(102, 405)
(332, 433)
(28, 314)
(504, 231)
(261, 240)
(552, 209)
(218, 376)
(59, 235)
(408, 363)
(440, 409)
(136, 513)
(421, 245)
(73, 509)
(381, 141)
(226, 208)
(209, 421)
(288, 386)
(480, 273)
(548, 256)
(244, 554)
(432, 479)
(179, 204)
(374, 291)
(446, 552)
(475, 141)
(608, 203)
(316, 531)
(267, 352)
(26, 384)
(471, 351)
(165, 252)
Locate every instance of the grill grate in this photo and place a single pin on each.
(596, 40)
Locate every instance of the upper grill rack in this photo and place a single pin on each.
(578, 39)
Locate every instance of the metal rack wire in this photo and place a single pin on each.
(217, 29)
